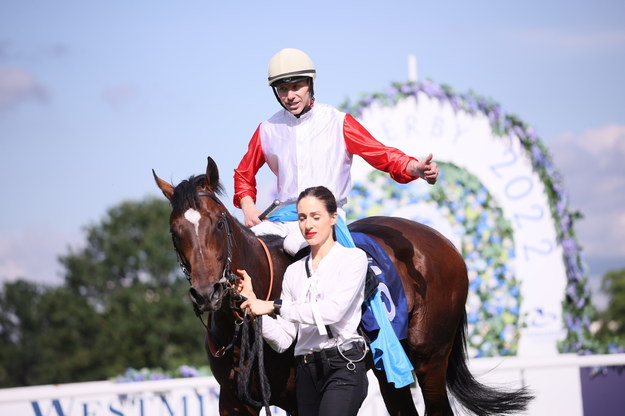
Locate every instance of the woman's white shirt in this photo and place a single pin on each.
(335, 290)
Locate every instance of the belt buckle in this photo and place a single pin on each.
(306, 358)
(347, 346)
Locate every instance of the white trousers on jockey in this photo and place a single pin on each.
(294, 241)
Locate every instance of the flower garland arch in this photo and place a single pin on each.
(493, 302)
(578, 310)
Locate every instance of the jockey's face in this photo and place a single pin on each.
(315, 222)
(295, 96)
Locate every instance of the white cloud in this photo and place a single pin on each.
(10, 269)
(592, 164)
(604, 140)
(573, 41)
(18, 85)
(32, 255)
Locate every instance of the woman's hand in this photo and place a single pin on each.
(256, 307)
(244, 285)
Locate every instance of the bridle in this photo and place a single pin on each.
(228, 279)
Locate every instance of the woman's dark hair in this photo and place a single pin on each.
(321, 193)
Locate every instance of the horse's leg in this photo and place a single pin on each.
(432, 377)
(430, 337)
(230, 405)
(398, 402)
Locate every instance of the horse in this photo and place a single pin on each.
(212, 245)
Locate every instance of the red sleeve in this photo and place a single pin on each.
(388, 159)
(245, 173)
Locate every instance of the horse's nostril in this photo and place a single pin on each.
(196, 297)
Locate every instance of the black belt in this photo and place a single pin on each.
(327, 353)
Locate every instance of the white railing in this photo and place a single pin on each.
(551, 378)
(561, 360)
(97, 388)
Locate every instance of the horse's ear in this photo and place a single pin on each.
(212, 174)
(165, 187)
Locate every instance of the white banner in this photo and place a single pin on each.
(428, 125)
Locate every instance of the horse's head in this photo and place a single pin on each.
(201, 229)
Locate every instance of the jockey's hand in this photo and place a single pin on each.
(244, 285)
(250, 212)
(425, 169)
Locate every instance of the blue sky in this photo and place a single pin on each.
(93, 95)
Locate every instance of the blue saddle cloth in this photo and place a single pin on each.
(390, 288)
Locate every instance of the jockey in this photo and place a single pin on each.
(308, 144)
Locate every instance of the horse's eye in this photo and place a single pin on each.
(220, 225)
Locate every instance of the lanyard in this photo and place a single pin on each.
(323, 330)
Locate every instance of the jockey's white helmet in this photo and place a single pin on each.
(290, 65)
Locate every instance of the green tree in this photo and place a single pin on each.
(69, 326)
(19, 333)
(613, 318)
(130, 245)
(123, 304)
(154, 327)
(45, 335)
(129, 272)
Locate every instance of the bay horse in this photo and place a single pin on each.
(212, 245)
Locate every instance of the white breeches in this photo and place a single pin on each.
(293, 239)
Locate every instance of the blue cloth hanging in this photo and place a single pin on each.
(390, 288)
(284, 214)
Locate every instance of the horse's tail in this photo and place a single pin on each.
(473, 395)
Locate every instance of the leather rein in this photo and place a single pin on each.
(228, 278)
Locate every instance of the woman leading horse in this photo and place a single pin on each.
(320, 309)
(212, 245)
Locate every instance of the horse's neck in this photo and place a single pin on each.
(250, 255)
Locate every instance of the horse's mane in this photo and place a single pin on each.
(185, 193)
(185, 196)
(268, 238)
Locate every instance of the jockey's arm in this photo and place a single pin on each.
(250, 212)
(245, 180)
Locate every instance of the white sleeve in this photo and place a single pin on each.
(280, 333)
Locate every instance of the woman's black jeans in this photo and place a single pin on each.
(326, 386)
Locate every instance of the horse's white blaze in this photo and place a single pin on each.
(193, 216)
